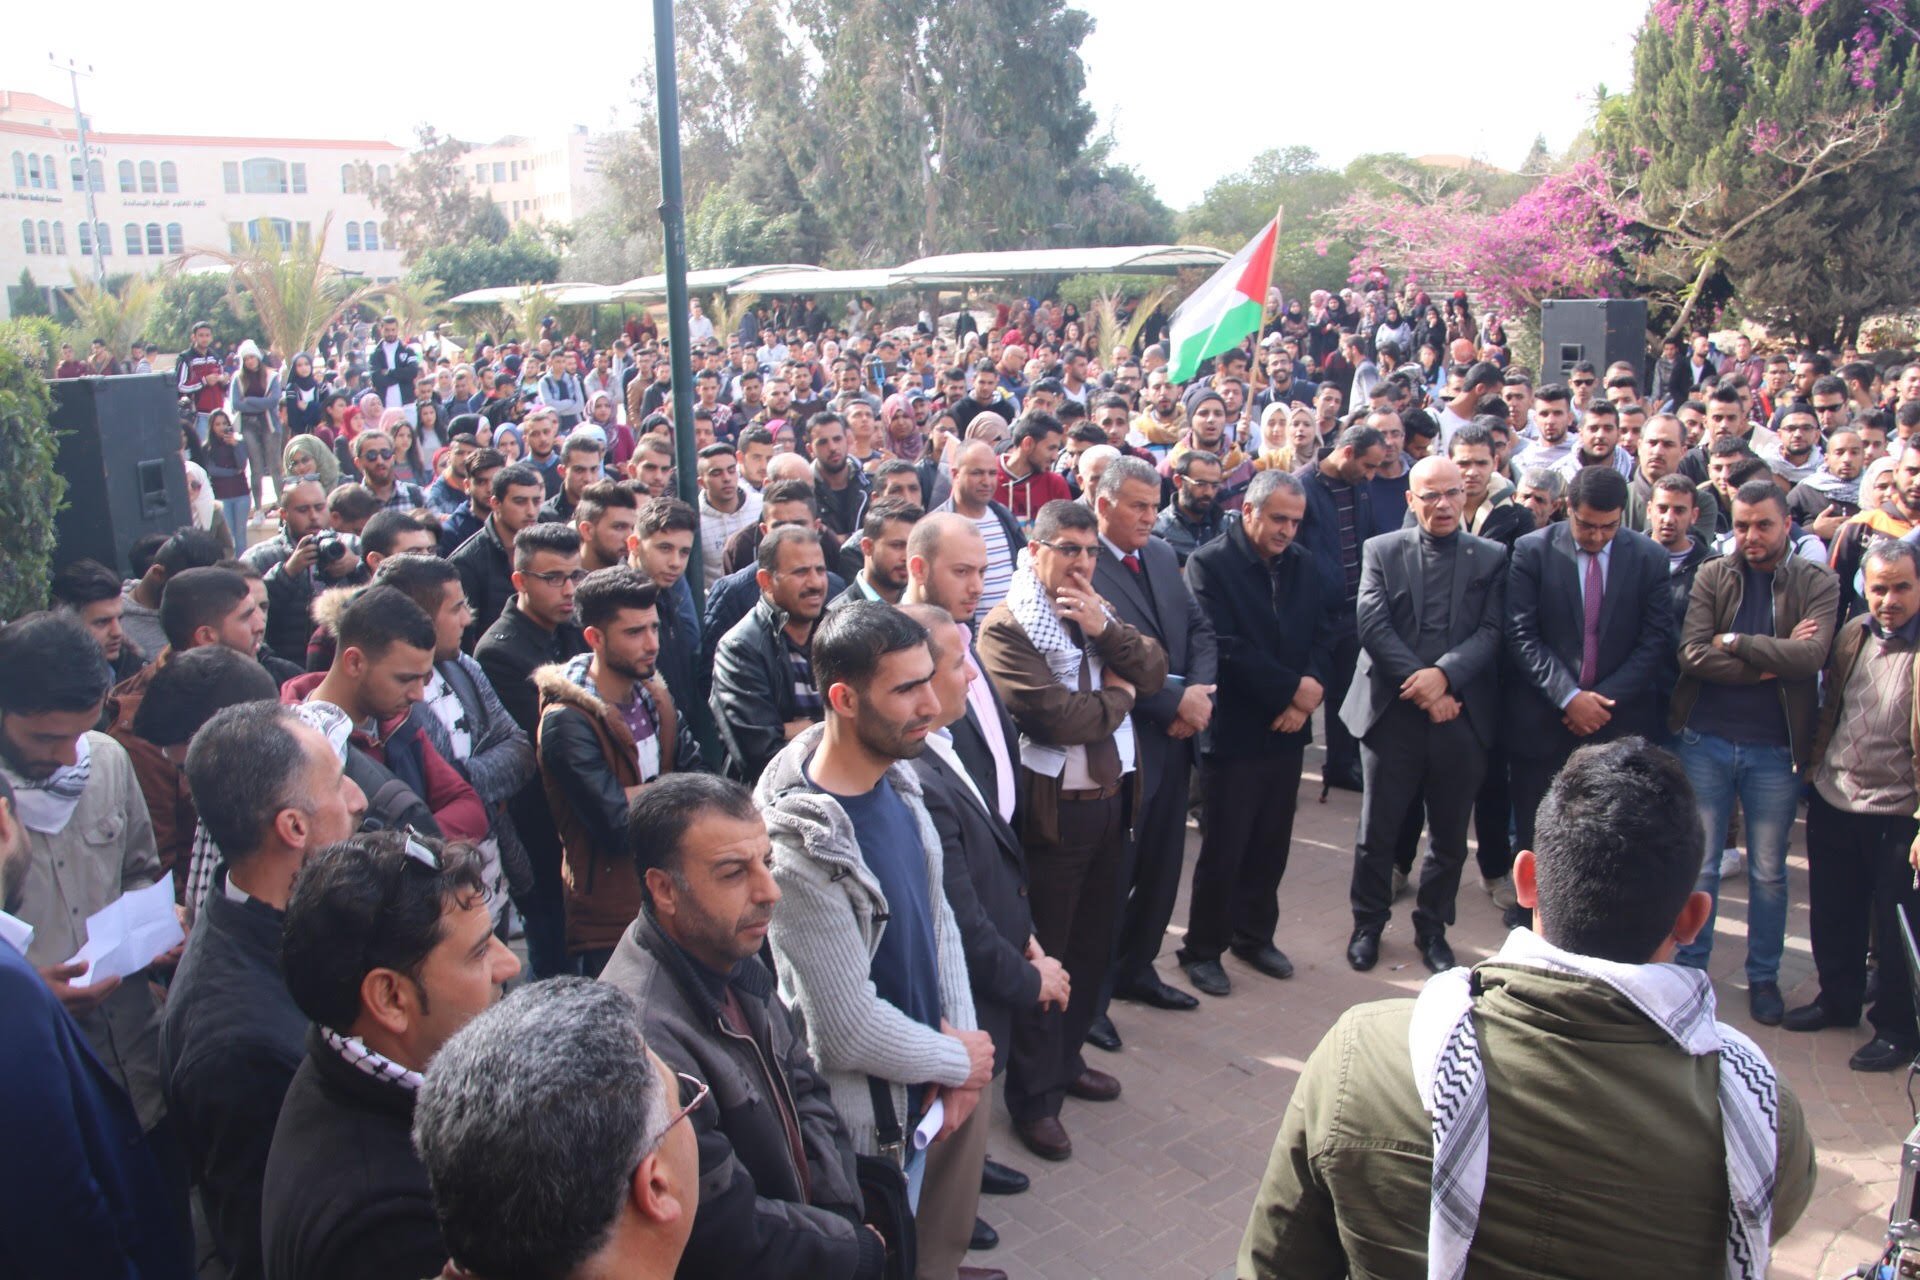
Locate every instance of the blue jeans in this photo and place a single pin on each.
(235, 510)
(1769, 792)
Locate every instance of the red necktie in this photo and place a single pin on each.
(1132, 561)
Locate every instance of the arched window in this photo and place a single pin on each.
(176, 239)
(46, 237)
(26, 235)
(78, 172)
(262, 228)
(299, 178)
(155, 244)
(19, 169)
(85, 236)
(103, 239)
(353, 238)
(349, 180)
(96, 174)
(263, 176)
(53, 173)
(370, 236)
(33, 171)
(125, 172)
(383, 174)
(132, 233)
(149, 178)
(169, 177)
(60, 238)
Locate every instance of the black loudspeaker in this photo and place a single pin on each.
(120, 452)
(1602, 330)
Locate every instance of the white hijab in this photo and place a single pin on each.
(203, 506)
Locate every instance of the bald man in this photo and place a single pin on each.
(1423, 704)
(975, 471)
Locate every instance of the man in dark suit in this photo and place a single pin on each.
(1138, 575)
(1423, 703)
(392, 366)
(985, 876)
(1587, 654)
(1274, 615)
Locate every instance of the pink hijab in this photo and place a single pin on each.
(910, 446)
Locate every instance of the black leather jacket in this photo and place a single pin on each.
(753, 695)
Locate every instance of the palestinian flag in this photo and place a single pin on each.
(1224, 310)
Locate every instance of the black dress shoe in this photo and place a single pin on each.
(1435, 953)
(1817, 1017)
(1101, 1035)
(997, 1179)
(1154, 993)
(1363, 949)
(1881, 1054)
(1208, 976)
(984, 1237)
(1268, 959)
(1765, 1004)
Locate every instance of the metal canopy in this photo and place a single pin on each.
(1150, 259)
(814, 280)
(563, 295)
(654, 288)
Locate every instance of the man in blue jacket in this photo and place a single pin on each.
(89, 1201)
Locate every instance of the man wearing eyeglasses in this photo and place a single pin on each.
(1424, 704)
(388, 950)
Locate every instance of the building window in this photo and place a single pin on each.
(349, 180)
(20, 169)
(104, 240)
(52, 171)
(155, 244)
(383, 175)
(353, 237)
(78, 172)
(480, 173)
(60, 238)
(499, 171)
(299, 179)
(149, 178)
(33, 171)
(169, 178)
(176, 238)
(96, 173)
(230, 172)
(84, 234)
(370, 236)
(26, 235)
(46, 238)
(264, 176)
(131, 232)
(269, 228)
(124, 170)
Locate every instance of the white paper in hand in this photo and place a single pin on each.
(129, 933)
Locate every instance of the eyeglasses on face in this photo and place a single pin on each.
(555, 577)
(1428, 498)
(1071, 550)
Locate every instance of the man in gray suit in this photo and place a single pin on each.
(1424, 704)
(1138, 575)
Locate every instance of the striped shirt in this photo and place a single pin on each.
(1000, 565)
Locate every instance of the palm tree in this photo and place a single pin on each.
(116, 317)
(293, 290)
(524, 313)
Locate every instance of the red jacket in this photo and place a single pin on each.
(458, 809)
(1025, 495)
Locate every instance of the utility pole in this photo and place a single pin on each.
(673, 220)
(74, 71)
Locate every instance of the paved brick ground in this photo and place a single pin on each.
(1162, 1179)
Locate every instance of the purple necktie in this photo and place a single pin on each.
(1590, 634)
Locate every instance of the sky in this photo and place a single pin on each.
(1187, 103)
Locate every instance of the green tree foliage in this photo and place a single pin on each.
(427, 202)
(27, 298)
(521, 258)
(1766, 149)
(189, 298)
(35, 489)
(1293, 178)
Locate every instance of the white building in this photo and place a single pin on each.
(157, 196)
(554, 179)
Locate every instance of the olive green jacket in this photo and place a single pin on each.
(1605, 1158)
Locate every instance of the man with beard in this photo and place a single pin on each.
(70, 785)
(1829, 496)
(1895, 520)
(840, 488)
(1163, 419)
(91, 1201)
(486, 560)
(1795, 455)
(1552, 419)
(780, 1199)
(883, 548)
(608, 727)
(984, 394)
(1193, 518)
(888, 1010)
(1207, 413)
(373, 454)
(764, 693)
(975, 470)
(1662, 449)
(605, 518)
(1597, 443)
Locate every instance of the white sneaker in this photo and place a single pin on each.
(1733, 863)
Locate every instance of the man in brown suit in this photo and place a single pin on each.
(1068, 671)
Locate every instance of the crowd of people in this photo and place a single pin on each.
(816, 866)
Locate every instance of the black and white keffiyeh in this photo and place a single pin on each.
(1679, 1000)
(355, 1053)
(46, 804)
(1030, 606)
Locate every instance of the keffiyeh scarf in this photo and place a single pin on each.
(355, 1053)
(1678, 1000)
(1027, 601)
(46, 804)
